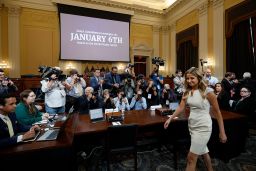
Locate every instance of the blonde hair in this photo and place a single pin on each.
(201, 83)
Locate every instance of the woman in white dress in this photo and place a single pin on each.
(199, 98)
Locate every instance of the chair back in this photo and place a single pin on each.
(122, 136)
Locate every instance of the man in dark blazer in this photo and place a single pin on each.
(113, 81)
(10, 128)
(97, 82)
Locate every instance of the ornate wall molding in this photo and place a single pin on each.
(14, 11)
(156, 28)
(165, 29)
(173, 26)
(203, 8)
(217, 3)
(39, 18)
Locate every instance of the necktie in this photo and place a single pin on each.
(9, 124)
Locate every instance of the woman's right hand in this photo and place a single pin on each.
(166, 124)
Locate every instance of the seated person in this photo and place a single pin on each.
(121, 102)
(9, 126)
(89, 101)
(222, 97)
(6, 85)
(26, 111)
(246, 104)
(108, 101)
(167, 96)
(138, 101)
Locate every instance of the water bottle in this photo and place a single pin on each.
(122, 113)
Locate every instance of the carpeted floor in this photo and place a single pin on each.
(151, 158)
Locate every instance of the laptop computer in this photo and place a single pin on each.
(173, 106)
(52, 134)
(96, 115)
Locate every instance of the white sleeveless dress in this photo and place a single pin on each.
(199, 122)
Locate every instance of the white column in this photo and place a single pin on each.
(203, 31)
(173, 66)
(165, 49)
(14, 41)
(156, 30)
(218, 30)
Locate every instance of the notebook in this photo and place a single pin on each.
(96, 115)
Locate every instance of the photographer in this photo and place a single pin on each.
(141, 84)
(108, 102)
(138, 102)
(167, 96)
(89, 100)
(151, 94)
(158, 79)
(55, 95)
(75, 86)
(121, 102)
(6, 85)
(129, 70)
(129, 87)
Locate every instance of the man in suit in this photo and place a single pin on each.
(113, 81)
(97, 82)
(9, 126)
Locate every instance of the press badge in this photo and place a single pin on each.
(149, 96)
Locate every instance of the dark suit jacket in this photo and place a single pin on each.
(110, 79)
(84, 105)
(5, 139)
(95, 85)
(246, 106)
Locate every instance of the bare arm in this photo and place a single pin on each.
(215, 108)
(178, 111)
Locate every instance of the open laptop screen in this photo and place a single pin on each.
(96, 114)
(173, 105)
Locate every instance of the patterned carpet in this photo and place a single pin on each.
(151, 158)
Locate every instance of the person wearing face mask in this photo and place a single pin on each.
(26, 111)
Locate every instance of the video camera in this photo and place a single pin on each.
(158, 61)
(202, 62)
(130, 65)
(48, 71)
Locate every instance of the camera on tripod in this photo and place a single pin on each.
(158, 61)
(46, 73)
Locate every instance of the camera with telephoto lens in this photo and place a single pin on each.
(46, 73)
(158, 61)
